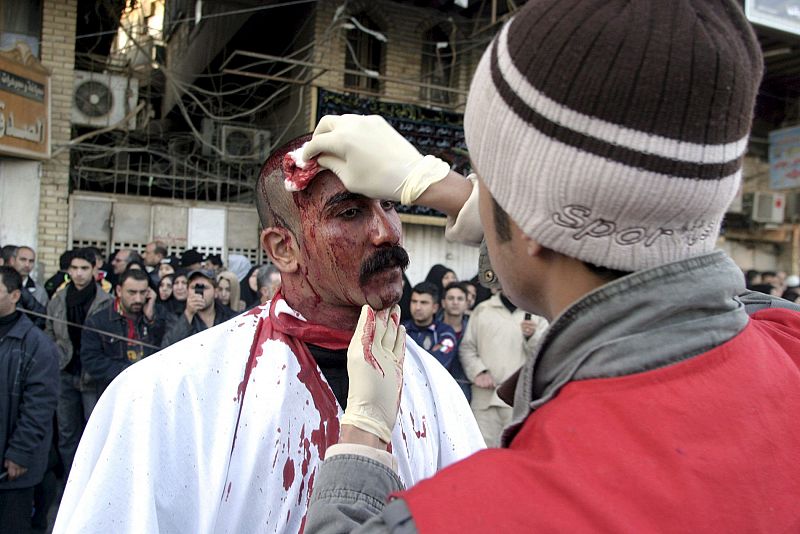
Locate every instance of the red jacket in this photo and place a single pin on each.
(709, 444)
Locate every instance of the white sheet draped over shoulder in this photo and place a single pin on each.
(166, 449)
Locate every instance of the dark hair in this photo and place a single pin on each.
(65, 259)
(455, 285)
(502, 222)
(133, 274)
(98, 252)
(86, 254)
(8, 252)
(216, 259)
(11, 278)
(427, 288)
(605, 272)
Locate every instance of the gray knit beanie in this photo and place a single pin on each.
(612, 131)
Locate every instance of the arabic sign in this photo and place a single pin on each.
(784, 158)
(24, 105)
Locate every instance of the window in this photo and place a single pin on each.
(365, 52)
(21, 20)
(437, 65)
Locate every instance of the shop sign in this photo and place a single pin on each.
(24, 105)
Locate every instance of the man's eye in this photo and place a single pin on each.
(349, 213)
(388, 205)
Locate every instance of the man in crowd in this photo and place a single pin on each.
(433, 336)
(213, 263)
(454, 307)
(268, 281)
(25, 263)
(131, 318)
(154, 253)
(191, 260)
(28, 397)
(202, 310)
(225, 430)
(8, 255)
(122, 259)
(499, 339)
(608, 140)
(54, 283)
(67, 311)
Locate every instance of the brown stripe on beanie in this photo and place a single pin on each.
(611, 131)
(617, 60)
(598, 147)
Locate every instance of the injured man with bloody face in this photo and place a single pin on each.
(224, 431)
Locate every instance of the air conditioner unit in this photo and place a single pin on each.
(239, 143)
(102, 99)
(768, 207)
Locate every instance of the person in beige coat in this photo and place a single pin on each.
(498, 340)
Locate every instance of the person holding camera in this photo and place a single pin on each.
(135, 330)
(201, 312)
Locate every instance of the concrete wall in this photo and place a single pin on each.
(58, 55)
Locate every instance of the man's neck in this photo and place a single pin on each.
(80, 288)
(453, 321)
(425, 324)
(324, 314)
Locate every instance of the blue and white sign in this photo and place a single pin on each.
(784, 158)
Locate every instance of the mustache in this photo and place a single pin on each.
(384, 258)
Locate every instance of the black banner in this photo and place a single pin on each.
(436, 132)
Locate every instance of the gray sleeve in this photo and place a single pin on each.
(754, 301)
(350, 494)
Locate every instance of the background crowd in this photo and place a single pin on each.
(97, 316)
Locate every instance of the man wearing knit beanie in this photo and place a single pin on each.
(607, 137)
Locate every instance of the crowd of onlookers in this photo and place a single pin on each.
(62, 343)
(777, 284)
(97, 316)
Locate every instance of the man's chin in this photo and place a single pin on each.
(384, 289)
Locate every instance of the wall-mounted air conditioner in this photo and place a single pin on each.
(239, 143)
(102, 99)
(768, 207)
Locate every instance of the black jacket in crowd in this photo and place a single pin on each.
(104, 357)
(179, 328)
(29, 383)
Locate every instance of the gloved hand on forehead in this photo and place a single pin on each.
(372, 158)
(375, 366)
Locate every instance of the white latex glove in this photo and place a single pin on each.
(372, 158)
(375, 366)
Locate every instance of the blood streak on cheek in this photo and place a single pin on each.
(366, 342)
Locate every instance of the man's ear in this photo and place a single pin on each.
(281, 247)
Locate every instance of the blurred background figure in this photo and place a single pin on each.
(268, 281)
(213, 263)
(191, 260)
(248, 288)
(228, 291)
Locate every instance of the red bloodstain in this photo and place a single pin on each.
(366, 341)
(288, 473)
(420, 433)
(296, 177)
